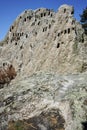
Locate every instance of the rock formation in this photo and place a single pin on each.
(47, 41)
(47, 56)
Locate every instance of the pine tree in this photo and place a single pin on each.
(83, 19)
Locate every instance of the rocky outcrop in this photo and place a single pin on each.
(45, 101)
(47, 52)
(45, 121)
(42, 40)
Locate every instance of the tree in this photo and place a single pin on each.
(83, 19)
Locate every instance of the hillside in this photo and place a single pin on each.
(43, 40)
(43, 70)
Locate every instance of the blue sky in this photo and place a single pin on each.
(10, 9)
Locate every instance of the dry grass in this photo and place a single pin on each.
(6, 75)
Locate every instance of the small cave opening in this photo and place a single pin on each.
(49, 13)
(73, 28)
(65, 31)
(73, 22)
(20, 17)
(15, 43)
(72, 12)
(13, 34)
(17, 34)
(84, 124)
(35, 20)
(3, 64)
(62, 42)
(24, 19)
(25, 11)
(82, 40)
(11, 40)
(26, 35)
(49, 26)
(61, 32)
(12, 27)
(39, 23)
(58, 45)
(44, 14)
(68, 30)
(64, 10)
(43, 29)
(41, 14)
(35, 33)
(29, 17)
(21, 47)
(22, 33)
(58, 34)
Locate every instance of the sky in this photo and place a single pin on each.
(10, 9)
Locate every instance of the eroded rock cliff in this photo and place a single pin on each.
(45, 52)
(47, 41)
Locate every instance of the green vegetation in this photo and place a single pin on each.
(83, 19)
(18, 125)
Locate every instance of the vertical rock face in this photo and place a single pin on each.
(39, 46)
(43, 40)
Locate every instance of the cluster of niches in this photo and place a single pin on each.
(5, 64)
(64, 32)
(38, 14)
(66, 10)
(16, 36)
(67, 30)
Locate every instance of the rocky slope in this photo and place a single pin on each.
(45, 52)
(47, 41)
(46, 101)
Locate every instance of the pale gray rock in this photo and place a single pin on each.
(47, 41)
(41, 92)
(49, 53)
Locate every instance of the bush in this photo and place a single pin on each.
(6, 75)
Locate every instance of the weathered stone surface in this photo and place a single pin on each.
(47, 41)
(48, 52)
(42, 93)
(45, 121)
